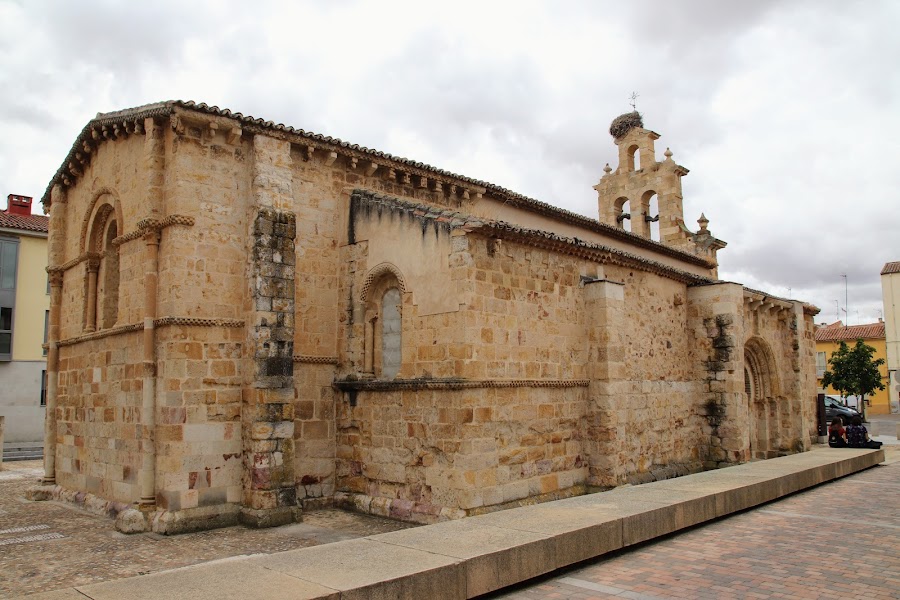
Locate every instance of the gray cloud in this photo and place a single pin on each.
(782, 111)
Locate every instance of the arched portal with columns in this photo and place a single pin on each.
(762, 391)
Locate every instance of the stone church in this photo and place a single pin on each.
(248, 319)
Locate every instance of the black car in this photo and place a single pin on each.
(835, 408)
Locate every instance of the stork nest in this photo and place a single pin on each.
(622, 124)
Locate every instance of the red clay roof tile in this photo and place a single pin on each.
(38, 223)
(891, 267)
(836, 332)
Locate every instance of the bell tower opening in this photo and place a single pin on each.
(656, 206)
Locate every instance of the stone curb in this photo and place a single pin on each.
(473, 556)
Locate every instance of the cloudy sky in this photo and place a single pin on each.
(786, 112)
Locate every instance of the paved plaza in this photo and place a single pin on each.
(50, 545)
(837, 540)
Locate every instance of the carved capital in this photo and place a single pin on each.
(56, 279)
(151, 236)
(93, 263)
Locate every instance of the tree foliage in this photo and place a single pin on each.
(853, 372)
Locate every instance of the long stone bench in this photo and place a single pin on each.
(477, 555)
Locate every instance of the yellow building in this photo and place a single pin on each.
(890, 290)
(828, 340)
(24, 310)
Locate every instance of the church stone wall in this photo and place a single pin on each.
(425, 454)
(240, 377)
(198, 429)
(658, 392)
(99, 417)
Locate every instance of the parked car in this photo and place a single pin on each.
(835, 408)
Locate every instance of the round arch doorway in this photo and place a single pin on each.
(760, 387)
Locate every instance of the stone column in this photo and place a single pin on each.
(716, 319)
(269, 494)
(148, 391)
(154, 182)
(93, 267)
(2, 425)
(155, 167)
(369, 347)
(604, 318)
(56, 257)
(804, 415)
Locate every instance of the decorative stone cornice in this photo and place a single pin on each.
(378, 385)
(362, 200)
(149, 224)
(161, 322)
(197, 322)
(103, 333)
(315, 360)
(117, 124)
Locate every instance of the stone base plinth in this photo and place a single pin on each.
(40, 493)
(171, 522)
(270, 517)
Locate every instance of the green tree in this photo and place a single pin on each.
(853, 372)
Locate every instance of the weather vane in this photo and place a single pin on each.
(633, 97)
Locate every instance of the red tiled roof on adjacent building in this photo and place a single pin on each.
(891, 267)
(836, 332)
(17, 215)
(38, 223)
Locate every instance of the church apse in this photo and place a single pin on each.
(298, 322)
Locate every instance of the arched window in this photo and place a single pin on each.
(633, 156)
(650, 203)
(383, 298)
(390, 333)
(108, 295)
(101, 307)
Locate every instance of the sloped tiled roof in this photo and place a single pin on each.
(450, 219)
(891, 267)
(38, 223)
(836, 332)
(121, 120)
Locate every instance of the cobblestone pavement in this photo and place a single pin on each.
(838, 540)
(49, 545)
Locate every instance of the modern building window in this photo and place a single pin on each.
(9, 257)
(6, 332)
(43, 388)
(46, 329)
(821, 364)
